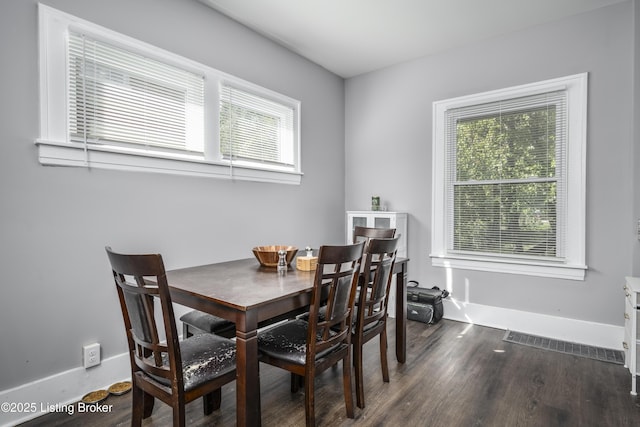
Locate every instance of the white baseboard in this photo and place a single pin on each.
(62, 389)
(68, 387)
(572, 330)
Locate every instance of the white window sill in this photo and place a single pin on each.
(529, 268)
(54, 153)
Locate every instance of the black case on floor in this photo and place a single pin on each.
(419, 312)
(419, 300)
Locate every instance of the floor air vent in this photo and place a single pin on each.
(588, 351)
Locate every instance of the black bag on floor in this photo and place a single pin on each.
(419, 312)
(425, 305)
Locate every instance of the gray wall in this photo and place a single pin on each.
(388, 127)
(56, 289)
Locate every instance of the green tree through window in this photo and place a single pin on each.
(505, 186)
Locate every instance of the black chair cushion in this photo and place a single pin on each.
(204, 357)
(288, 341)
(207, 322)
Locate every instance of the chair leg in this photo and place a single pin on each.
(185, 331)
(212, 401)
(179, 415)
(309, 398)
(383, 356)
(346, 380)
(148, 402)
(296, 382)
(137, 406)
(357, 363)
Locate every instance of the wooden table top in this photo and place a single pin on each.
(241, 284)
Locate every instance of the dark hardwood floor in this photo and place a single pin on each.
(456, 375)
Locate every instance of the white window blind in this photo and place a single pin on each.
(110, 101)
(256, 130)
(506, 177)
(119, 97)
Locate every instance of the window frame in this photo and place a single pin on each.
(56, 148)
(573, 265)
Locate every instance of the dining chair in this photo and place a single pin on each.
(371, 308)
(368, 233)
(176, 372)
(308, 347)
(198, 322)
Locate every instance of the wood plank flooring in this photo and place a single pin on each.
(456, 375)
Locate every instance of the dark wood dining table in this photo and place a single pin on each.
(251, 295)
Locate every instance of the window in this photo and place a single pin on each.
(255, 129)
(121, 98)
(110, 101)
(509, 182)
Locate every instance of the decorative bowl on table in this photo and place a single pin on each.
(268, 255)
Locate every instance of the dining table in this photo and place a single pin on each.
(251, 296)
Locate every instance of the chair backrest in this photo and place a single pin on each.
(141, 281)
(367, 233)
(336, 277)
(373, 298)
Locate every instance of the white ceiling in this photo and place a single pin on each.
(351, 37)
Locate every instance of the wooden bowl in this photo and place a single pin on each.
(267, 256)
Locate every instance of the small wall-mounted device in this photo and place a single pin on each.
(91, 355)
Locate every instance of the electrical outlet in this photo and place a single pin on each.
(91, 355)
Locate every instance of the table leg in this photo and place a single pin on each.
(247, 376)
(401, 314)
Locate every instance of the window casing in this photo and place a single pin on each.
(110, 101)
(509, 180)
